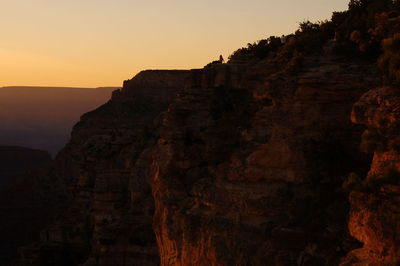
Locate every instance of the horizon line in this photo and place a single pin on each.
(66, 87)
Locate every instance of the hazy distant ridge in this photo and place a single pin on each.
(42, 117)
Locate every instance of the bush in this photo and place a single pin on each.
(258, 50)
(310, 37)
(358, 32)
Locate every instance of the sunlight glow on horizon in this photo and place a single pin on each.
(95, 43)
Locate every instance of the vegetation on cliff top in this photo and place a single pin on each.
(369, 29)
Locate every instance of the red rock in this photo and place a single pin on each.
(375, 213)
(109, 209)
(256, 191)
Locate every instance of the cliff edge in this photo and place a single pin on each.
(286, 155)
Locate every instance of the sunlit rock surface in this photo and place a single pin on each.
(375, 208)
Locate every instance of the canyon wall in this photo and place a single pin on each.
(233, 164)
(375, 201)
(108, 207)
(288, 154)
(250, 162)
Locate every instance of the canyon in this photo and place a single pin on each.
(288, 154)
(244, 167)
(15, 161)
(18, 223)
(42, 117)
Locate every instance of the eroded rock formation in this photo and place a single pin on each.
(109, 214)
(375, 203)
(253, 162)
(249, 165)
(233, 164)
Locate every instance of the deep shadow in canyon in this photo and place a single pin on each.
(288, 154)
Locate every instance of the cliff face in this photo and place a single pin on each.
(109, 206)
(375, 203)
(227, 165)
(231, 165)
(250, 161)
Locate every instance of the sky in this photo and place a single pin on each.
(92, 43)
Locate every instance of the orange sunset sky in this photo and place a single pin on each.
(90, 43)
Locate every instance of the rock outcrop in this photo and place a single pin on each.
(108, 218)
(250, 161)
(288, 154)
(233, 164)
(375, 201)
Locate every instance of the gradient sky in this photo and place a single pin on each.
(90, 43)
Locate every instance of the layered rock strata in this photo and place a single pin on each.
(233, 164)
(250, 161)
(108, 219)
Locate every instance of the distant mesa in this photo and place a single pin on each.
(42, 117)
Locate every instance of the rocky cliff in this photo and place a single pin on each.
(253, 162)
(245, 165)
(249, 165)
(108, 214)
(375, 202)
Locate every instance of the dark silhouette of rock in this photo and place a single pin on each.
(109, 215)
(253, 162)
(241, 170)
(18, 223)
(15, 161)
(249, 172)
